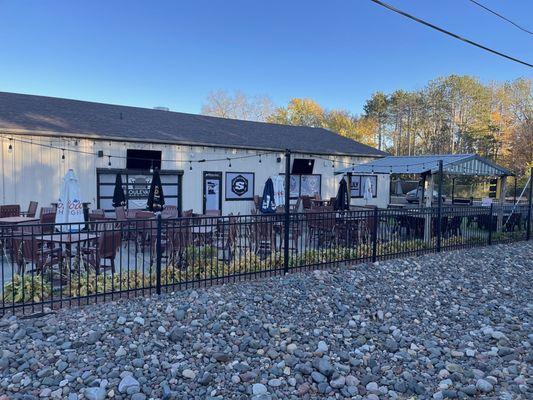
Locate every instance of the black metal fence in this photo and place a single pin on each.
(55, 265)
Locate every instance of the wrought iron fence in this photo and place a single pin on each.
(55, 265)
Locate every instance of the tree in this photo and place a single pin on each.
(302, 112)
(238, 106)
(376, 107)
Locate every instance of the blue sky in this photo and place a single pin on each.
(173, 53)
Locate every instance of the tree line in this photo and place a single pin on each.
(451, 114)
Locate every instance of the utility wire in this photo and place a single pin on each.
(501, 16)
(421, 21)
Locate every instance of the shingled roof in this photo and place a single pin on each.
(29, 114)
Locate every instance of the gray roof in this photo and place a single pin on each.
(452, 164)
(29, 114)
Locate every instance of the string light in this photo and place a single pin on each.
(151, 167)
(109, 161)
(63, 155)
(259, 158)
(229, 159)
(10, 147)
(190, 165)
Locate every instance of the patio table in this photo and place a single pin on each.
(17, 220)
(67, 239)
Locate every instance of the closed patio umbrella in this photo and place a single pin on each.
(119, 199)
(268, 205)
(279, 190)
(69, 205)
(156, 198)
(368, 192)
(342, 201)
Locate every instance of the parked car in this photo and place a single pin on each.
(413, 196)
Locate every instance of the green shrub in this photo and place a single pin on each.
(23, 288)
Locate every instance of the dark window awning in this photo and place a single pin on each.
(452, 164)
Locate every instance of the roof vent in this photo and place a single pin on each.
(162, 108)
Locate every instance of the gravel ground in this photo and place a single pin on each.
(452, 325)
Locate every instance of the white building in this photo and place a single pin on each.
(199, 156)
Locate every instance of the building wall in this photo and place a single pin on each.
(34, 171)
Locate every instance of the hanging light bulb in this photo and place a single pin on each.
(309, 163)
(10, 147)
(190, 165)
(63, 155)
(109, 161)
(259, 158)
(229, 159)
(333, 164)
(151, 167)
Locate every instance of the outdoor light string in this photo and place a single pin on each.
(63, 150)
(228, 159)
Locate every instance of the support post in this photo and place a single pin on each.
(529, 202)
(503, 189)
(514, 190)
(439, 209)
(158, 256)
(453, 190)
(375, 235)
(287, 210)
(422, 190)
(349, 189)
(429, 210)
(490, 224)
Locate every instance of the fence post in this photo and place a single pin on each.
(439, 208)
(287, 211)
(375, 235)
(158, 256)
(529, 201)
(490, 223)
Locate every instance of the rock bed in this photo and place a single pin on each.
(452, 325)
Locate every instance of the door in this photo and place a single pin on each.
(212, 191)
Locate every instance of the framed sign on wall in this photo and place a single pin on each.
(240, 186)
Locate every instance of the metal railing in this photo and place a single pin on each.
(55, 265)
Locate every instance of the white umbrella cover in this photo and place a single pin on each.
(367, 195)
(69, 205)
(279, 190)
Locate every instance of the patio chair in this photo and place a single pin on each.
(47, 220)
(513, 221)
(47, 210)
(120, 213)
(169, 212)
(180, 238)
(225, 238)
(212, 213)
(32, 210)
(10, 210)
(306, 202)
(257, 202)
(28, 250)
(109, 241)
(262, 236)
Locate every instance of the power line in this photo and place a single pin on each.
(421, 21)
(501, 16)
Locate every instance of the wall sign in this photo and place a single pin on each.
(240, 186)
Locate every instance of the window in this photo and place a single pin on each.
(305, 185)
(359, 184)
(143, 160)
(136, 185)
